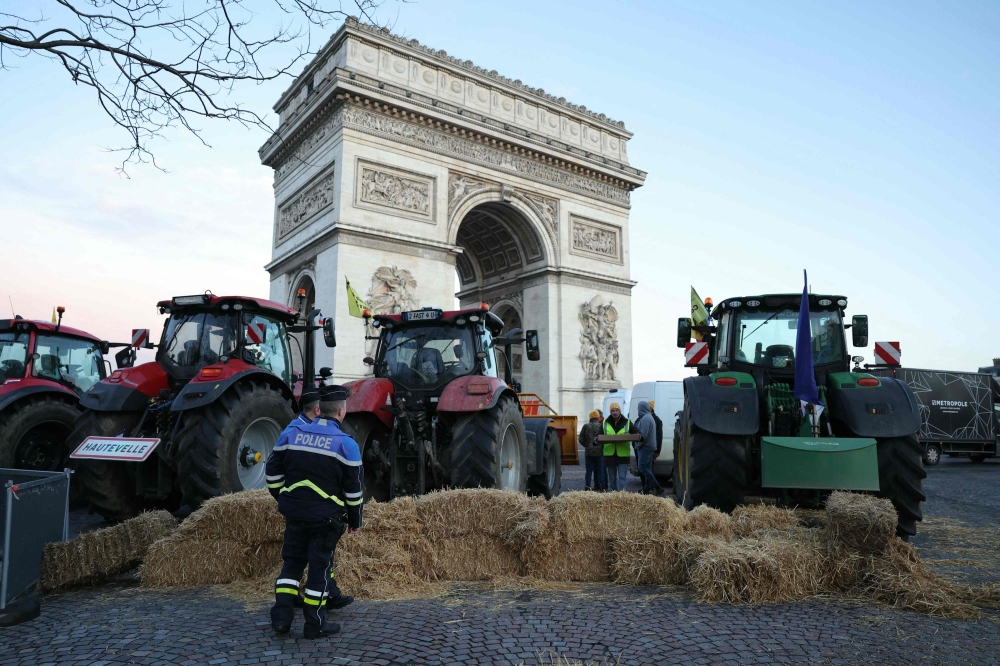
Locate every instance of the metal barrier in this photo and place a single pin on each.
(35, 510)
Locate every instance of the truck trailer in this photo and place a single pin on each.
(958, 411)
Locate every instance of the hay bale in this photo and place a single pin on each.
(250, 517)
(398, 517)
(753, 517)
(476, 512)
(552, 558)
(98, 555)
(583, 515)
(755, 571)
(706, 521)
(664, 561)
(861, 523)
(264, 557)
(471, 558)
(178, 562)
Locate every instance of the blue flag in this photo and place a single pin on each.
(805, 374)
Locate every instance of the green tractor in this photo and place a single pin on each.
(743, 432)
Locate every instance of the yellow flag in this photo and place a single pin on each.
(54, 320)
(355, 305)
(699, 315)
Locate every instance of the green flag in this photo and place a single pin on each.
(699, 315)
(355, 306)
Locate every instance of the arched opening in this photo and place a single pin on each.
(305, 305)
(498, 244)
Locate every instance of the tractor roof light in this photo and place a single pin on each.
(200, 299)
(484, 306)
(709, 302)
(868, 381)
(60, 309)
(725, 381)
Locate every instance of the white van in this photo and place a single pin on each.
(669, 399)
(619, 395)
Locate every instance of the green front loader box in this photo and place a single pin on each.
(822, 463)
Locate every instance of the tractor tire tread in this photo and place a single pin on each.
(901, 478)
(106, 484)
(473, 453)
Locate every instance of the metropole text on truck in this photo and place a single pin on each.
(958, 411)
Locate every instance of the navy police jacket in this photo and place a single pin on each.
(315, 473)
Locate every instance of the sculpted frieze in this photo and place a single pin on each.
(473, 151)
(304, 206)
(388, 187)
(592, 238)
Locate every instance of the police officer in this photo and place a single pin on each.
(309, 400)
(315, 474)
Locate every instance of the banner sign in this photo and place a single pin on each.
(131, 449)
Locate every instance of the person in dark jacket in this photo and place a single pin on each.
(659, 428)
(593, 451)
(617, 454)
(309, 401)
(646, 448)
(315, 473)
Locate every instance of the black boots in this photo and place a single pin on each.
(333, 603)
(328, 629)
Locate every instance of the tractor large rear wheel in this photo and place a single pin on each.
(488, 449)
(901, 479)
(107, 486)
(714, 466)
(373, 439)
(224, 445)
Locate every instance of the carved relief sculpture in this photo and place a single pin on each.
(461, 186)
(594, 238)
(314, 199)
(391, 293)
(599, 340)
(385, 187)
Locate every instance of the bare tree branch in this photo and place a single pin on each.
(157, 64)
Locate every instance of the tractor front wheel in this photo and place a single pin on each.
(33, 434)
(548, 484)
(106, 484)
(224, 446)
(714, 467)
(488, 449)
(901, 479)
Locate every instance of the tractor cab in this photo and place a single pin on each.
(205, 330)
(37, 351)
(422, 351)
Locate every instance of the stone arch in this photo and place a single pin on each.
(510, 200)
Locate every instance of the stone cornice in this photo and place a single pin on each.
(440, 58)
(577, 173)
(563, 275)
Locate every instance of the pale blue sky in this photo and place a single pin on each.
(858, 141)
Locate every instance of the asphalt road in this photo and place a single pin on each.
(597, 623)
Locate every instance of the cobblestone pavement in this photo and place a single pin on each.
(474, 625)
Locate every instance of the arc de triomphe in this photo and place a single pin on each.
(408, 171)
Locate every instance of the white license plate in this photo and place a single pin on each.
(131, 449)
(422, 316)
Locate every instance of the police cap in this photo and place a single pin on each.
(333, 393)
(309, 395)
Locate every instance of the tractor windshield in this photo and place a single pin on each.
(13, 355)
(767, 338)
(195, 339)
(423, 357)
(71, 361)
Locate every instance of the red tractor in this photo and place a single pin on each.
(44, 369)
(436, 415)
(202, 419)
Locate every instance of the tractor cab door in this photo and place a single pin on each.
(265, 345)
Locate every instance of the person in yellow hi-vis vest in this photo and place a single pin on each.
(616, 454)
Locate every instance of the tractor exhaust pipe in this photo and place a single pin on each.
(309, 371)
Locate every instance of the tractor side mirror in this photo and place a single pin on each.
(126, 357)
(325, 372)
(105, 347)
(329, 336)
(683, 332)
(859, 330)
(531, 346)
(368, 360)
